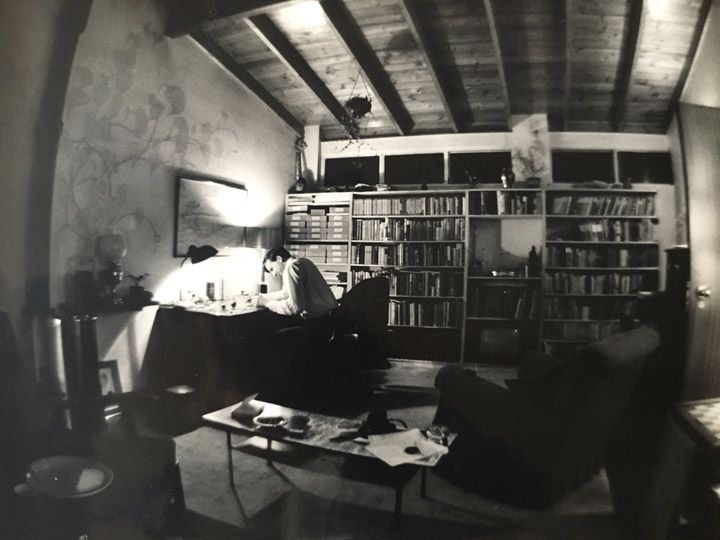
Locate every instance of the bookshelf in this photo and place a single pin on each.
(458, 261)
(600, 253)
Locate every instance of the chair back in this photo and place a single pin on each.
(596, 387)
(367, 304)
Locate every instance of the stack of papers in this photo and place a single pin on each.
(391, 448)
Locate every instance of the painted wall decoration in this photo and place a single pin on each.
(140, 109)
(531, 155)
(209, 212)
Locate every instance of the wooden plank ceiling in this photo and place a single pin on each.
(454, 66)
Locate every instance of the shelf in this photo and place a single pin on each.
(557, 340)
(393, 242)
(423, 327)
(505, 278)
(316, 241)
(365, 265)
(582, 320)
(595, 218)
(501, 319)
(588, 295)
(603, 268)
(605, 242)
(505, 216)
(407, 216)
(426, 297)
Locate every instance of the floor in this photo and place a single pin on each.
(291, 502)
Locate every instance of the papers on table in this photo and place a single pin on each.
(391, 448)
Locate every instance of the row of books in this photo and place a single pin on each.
(602, 256)
(503, 302)
(409, 205)
(505, 203)
(440, 313)
(602, 283)
(584, 331)
(417, 283)
(578, 308)
(409, 255)
(409, 229)
(605, 230)
(602, 205)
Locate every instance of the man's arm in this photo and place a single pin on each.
(264, 298)
(293, 301)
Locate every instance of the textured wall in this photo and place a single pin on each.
(141, 107)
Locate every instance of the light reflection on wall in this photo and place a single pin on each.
(232, 275)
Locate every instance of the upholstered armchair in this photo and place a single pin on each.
(544, 435)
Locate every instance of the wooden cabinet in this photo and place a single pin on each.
(560, 266)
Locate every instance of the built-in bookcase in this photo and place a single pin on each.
(458, 261)
(600, 253)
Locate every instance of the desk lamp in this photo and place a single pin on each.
(199, 254)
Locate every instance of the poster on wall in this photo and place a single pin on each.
(209, 212)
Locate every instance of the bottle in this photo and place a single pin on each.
(533, 263)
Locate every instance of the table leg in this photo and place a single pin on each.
(269, 449)
(231, 468)
(423, 480)
(398, 502)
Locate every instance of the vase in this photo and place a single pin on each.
(507, 177)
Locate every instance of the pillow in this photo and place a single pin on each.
(541, 388)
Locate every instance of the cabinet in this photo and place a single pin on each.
(459, 264)
(317, 226)
(600, 253)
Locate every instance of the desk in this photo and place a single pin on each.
(218, 352)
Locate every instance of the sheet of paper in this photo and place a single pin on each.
(391, 448)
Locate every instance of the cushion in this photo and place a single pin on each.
(541, 388)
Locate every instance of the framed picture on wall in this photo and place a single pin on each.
(109, 378)
(209, 211)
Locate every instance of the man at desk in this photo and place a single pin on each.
(304, 293)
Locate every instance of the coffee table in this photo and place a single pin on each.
(364, 466)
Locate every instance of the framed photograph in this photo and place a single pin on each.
(209, 212)
(109, 378)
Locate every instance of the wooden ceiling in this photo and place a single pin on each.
(454, 66)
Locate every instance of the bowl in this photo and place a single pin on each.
(270, 421)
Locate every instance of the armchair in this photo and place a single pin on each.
(545, 435)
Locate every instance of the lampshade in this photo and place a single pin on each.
(261, 237)
(199, 254)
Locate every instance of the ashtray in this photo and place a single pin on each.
(348, 425)
(270, 421)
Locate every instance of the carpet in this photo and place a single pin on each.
(297, 502)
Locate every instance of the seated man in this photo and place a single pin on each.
(304, 293)
(296, 346)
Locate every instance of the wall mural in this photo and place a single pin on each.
(125, 131)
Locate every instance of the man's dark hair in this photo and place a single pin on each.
(274, 253)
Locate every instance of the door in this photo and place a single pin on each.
(700, 132)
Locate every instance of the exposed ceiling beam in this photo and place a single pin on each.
(627, 63)
(413, 18)
(692, 49)
(348, 32)
(489, 14)
(229, 63)
(186, 16)
(286, 52)
(567, 85)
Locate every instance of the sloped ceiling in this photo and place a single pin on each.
(455, 66)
